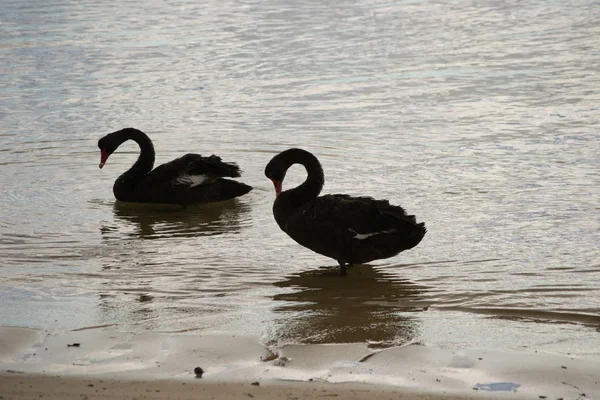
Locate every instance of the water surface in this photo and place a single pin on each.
(480, 118)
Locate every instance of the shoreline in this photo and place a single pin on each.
(161, 365)
(31, 386)
(80, 387)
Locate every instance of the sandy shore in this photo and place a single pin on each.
(114, 365)
(52, 387)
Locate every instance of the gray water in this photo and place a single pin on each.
(481, 118)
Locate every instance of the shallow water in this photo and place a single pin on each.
(481, 119)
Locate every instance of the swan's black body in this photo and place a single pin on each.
(185, 180)
(351, 230)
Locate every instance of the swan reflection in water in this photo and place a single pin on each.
(367, 305)
(151, 221)
(151, 257)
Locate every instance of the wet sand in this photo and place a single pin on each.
(50, 387)
(94, 363)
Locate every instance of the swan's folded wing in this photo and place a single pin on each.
(193, 170)
(361, 216)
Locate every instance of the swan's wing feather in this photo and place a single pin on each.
(193, 170)
(211, 166)
(362, 216)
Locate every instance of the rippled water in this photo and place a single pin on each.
(480, 118)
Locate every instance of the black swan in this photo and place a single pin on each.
(185, 180)
(351, 230)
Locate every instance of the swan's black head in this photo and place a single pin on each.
(109, 143)
(276, 169)
(278, 166)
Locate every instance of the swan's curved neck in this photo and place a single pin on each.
(313, 184)
(145, 161)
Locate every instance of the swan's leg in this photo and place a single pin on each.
(342, 268)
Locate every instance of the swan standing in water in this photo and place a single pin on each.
(351, 230)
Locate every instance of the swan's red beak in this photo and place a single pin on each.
(103, 157)
(277, 185)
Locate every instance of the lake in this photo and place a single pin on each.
(481, 118)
